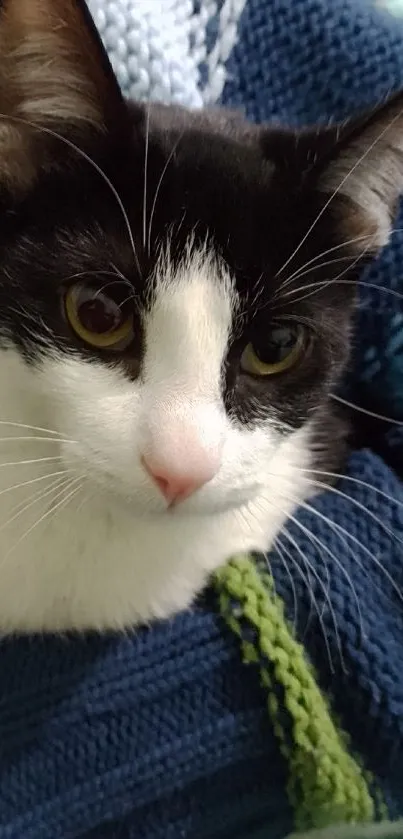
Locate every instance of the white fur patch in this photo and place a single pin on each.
(112, 554)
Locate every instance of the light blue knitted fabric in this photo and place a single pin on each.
(394, 6)
(169, 50)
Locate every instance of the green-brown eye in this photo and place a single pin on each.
(97, 318)
(280, 351)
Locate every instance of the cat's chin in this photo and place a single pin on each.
(102, 568)
(203, 505)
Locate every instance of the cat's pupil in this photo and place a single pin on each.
(99, 314)
(278, 345)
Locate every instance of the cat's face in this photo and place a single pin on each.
(176, 293)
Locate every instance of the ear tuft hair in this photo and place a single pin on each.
(366, 171)
(54, 73)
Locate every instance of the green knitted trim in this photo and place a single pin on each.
(326, 785)
(383, 830)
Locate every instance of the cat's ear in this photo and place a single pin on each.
(54, 73)
(359, 163)
(365, 168)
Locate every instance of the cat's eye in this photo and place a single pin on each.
(280, 350)
(97, 318)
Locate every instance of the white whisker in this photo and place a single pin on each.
(119, 281)
(307, 583)
(305, 506)
(341, 530)
(337, 281)
(33, 481)
(360, 506)
(339, 187)
(163, 173)
(81, 153)
(34, 438)
(280, 548)
(31, 462)
(373, 414)
(296, 274)
(30, 427)
(145, 176)
(309, 565)
(119, 274)
(19, 509)
(357, 481)
(46, 515)
(326, 593)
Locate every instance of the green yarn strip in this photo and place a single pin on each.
(382, 830)
(326, 785)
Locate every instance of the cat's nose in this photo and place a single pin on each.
(176, 483)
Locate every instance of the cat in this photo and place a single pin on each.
(176, 298)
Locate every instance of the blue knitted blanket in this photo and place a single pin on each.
(165, 734)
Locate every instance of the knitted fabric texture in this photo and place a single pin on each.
(169, 50)
(326, 786)
(166, 732)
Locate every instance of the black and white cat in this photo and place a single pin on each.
(172, 321)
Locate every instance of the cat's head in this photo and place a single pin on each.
(176, 292)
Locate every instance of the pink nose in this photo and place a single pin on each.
(176, 485)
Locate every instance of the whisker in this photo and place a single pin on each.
(309, 565)
(91, 162)
(304, 505)
(33, 481)
(298, 275)
(127, 299)
(18, 510)
(318, 256)
(119, 274)
(315, 540)
(46, 515)
(30, 462)
(40, 493)
(313, 602)
(373, 414)
(145, 176)
(339, 187)
(334, 248)
(350, 267)
(87, 497)
(280, 550)
(314, 572)
(96, 273)
(34, 438)
(29, 427)
(344, 477)
(163, 173)
(306, 579)
(360, 506)
(372, 556)
(119, 281)
(334, 526)
(336, 281)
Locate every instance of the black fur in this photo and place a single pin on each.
(252, 193)
(218, 187)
